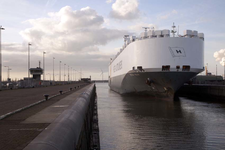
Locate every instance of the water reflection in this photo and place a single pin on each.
(138, 122)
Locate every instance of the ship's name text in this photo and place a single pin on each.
(118, 66)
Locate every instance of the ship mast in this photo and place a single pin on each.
(174, 30)
(146, 29)
(145, 33)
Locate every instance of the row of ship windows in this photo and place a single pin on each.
(184, 68)
(167, 68)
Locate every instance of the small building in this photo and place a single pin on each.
(36, 72)
(86, 79)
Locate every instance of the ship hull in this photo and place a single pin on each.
(162, 84)
(164, 63)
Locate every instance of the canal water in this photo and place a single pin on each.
(142, 123)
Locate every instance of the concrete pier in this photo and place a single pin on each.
(11, 100)
(208, 91)
(71, 129)
(18, 130)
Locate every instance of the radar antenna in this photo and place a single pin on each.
(125, 37)
(146, 28)
(174, 29)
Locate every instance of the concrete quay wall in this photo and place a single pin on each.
(203, 91)
(72, 129)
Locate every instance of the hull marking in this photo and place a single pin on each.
(177, 51)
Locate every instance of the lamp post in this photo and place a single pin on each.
(44, 65)
(64, 72)
(56, 76)
(75, 76)
(29, 44)
(80, 74)
(216, 70)
(49, 76)
(71, 74)
(1, 28)
(224, 69)
(59, 70)
(68, 73)
(53, 69)
(8, 74)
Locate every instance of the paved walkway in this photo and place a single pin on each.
(11, 100)
(18, 130)
(49, 114)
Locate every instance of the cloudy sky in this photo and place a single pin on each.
(85, 34)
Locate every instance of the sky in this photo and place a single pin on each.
(85, 34)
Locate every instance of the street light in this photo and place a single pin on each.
(56, 76)
(59, 70)
(44, 65)
(75, 75)
(71, 74)
(216, 69)
(29, 44)
(1, 28)
(53, 69)
(68, 73)
(80, 74)
(224, 69)
(49, 76)
(74, 72)
(8, 75)
(64, 72)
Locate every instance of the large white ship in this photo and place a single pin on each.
(157, 62)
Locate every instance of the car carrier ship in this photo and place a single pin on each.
(157, 62)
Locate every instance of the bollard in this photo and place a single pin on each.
(75, 87)
(46, 96)
(60, 92)
(70, 89)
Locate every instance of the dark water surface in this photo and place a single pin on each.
(138, 122)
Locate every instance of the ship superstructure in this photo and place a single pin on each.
(157, 62)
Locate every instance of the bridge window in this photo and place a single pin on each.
(166, 68)
(186, 68)
(139, 68)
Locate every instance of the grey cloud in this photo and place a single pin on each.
(69, 30)
(70, 36)
(13, 47)
(125, 10)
